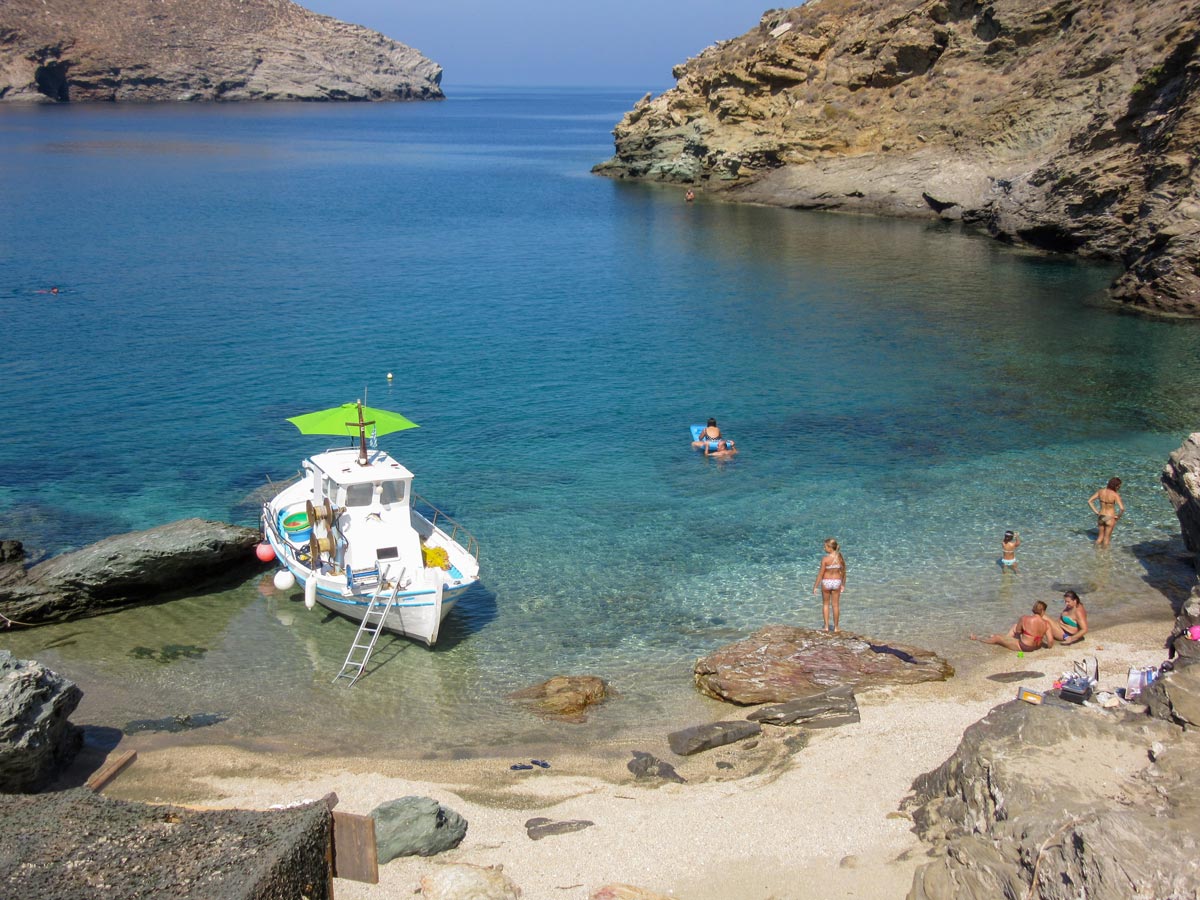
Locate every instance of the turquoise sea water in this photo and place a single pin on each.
(908, 388)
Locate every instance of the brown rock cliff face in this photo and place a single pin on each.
(172, 50)
(1068, 126)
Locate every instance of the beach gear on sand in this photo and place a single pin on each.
(517, 766)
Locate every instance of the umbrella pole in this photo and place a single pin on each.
(362, 438)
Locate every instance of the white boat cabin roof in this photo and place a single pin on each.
(342, 466)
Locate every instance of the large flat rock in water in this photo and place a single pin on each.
(783, 662)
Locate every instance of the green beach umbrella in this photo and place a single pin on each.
(351, 419)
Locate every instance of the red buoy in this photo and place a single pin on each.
(265, 552)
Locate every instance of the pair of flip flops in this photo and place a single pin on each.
(540, 763)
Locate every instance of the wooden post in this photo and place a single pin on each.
(355, 855)
(111, 769)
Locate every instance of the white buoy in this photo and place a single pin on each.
(285, 580)
(310, 592)
(389, 376)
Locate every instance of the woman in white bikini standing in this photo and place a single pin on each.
(831, 581)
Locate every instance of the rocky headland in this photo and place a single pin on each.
(174, 50)
(1067, 126)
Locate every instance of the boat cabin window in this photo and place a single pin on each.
(359, 494)
(391, 492)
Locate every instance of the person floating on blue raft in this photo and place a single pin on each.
(708, 438)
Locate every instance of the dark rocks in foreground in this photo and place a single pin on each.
(36, 740)
(781, 663)
(128, 569)
(71, 844)
(1075, 801)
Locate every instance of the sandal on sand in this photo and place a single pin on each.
(540, 762)
(520, 766)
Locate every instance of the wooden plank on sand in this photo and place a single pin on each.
(111, 769)
(354, 853)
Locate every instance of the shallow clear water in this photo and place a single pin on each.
(905, 387)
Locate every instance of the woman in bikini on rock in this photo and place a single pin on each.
(831, 581)
(1111, 509)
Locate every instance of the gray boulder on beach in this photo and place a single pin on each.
(128, 569)
(36, 740)
(416, 826)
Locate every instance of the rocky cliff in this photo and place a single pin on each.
(1066, 125)
(171, 50)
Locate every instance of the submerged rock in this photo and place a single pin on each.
(36, 740)
(782, 662)
(564, 697)
(128, 569)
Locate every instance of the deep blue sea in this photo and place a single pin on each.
(906, 387)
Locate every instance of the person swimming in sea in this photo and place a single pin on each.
(1030, 632)
(1072, 622)
(712, 435)
(1008, 551)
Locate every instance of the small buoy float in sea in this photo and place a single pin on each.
(264, 551)
(389, 376)
(310, 592)
(284, 580)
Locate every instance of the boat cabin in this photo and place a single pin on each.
(376, 520)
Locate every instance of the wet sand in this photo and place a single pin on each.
(755, 820)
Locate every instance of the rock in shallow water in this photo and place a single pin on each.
(782, 662)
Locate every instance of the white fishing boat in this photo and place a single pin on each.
(351, 531)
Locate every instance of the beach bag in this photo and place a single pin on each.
(1139, 678)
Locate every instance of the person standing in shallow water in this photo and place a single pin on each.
(831, 581)
(1110, 509)
(1008, 551)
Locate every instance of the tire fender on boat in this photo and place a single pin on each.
(310, 592)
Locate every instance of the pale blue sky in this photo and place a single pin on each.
(619, 43)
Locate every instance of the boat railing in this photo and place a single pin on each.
(448, 526)
(271, 522)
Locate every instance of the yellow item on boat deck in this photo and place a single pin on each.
(435, 557)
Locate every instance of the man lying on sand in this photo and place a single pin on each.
(1030, 632)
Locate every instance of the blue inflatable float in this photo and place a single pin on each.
(713, 446)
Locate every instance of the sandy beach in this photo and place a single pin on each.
(754, 820)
